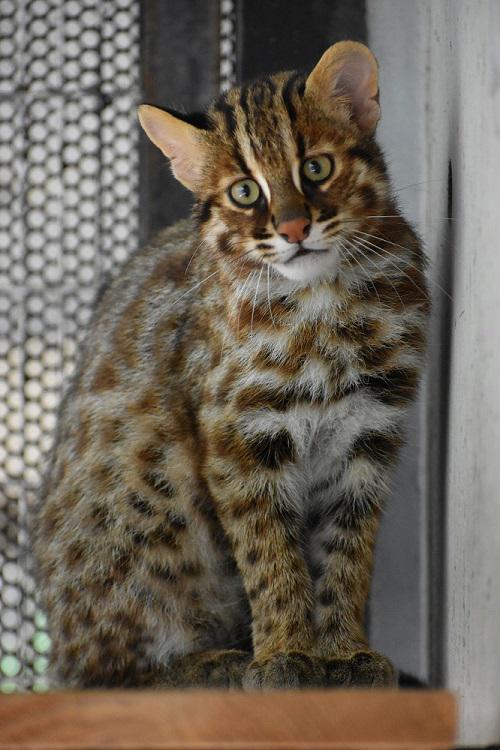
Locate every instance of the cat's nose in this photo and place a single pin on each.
(295, 230)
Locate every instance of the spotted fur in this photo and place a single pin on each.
(223, 453)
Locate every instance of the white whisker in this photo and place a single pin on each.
(370, 260)
(255, 300)
(269, 296)
(195, 287)
(248, 279)
(373, 247)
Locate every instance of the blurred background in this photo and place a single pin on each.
(81, 189)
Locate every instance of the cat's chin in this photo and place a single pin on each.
(310, 267)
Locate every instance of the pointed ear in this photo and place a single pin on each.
(348, 71)
(181, 142)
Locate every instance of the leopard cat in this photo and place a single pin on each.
(222, 456)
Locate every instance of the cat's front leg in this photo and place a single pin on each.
(251, 481)
(344, 528)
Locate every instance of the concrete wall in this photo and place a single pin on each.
(441, 60)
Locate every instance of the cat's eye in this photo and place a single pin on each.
(317, 168)
(245, 193)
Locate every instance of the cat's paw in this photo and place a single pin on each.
(285, 671)
(295, 669)
(370, 669)
(212, 669)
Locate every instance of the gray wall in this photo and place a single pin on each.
(441, 60)
(399, 617)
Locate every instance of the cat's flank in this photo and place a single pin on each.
(211, 508)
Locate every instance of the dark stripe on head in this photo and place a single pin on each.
(289, 89)
(204, 211)
(259, 95)
(301, 146)
(231, 123)
(271, 86)
(226, 109)
(358, 152)
(244, 99)
(371, 155)
(246, 109)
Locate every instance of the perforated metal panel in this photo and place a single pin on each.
(227, 45)
(68, 216)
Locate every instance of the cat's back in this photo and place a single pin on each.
(118, 397)
(148, 280)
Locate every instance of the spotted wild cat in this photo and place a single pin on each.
(212, 503)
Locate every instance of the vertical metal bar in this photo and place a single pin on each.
(179, 68)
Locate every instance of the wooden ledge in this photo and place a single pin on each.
(213, 720)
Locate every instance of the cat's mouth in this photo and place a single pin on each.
(302, 251)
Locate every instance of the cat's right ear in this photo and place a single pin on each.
(181, 142)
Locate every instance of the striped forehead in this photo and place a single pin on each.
(260, 121)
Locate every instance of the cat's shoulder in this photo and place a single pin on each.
(166, 254)
(167, 249)
(181, 234)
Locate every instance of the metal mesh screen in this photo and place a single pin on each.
(227, 45)
(69, 84)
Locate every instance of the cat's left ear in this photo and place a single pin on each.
(348, 71)
(180, 141)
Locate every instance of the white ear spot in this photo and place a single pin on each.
(348, 72)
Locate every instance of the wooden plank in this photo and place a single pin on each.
(217, 720)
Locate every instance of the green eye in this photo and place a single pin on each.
(245, 193)
(317, 169)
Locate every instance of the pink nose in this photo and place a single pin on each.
(295, 230)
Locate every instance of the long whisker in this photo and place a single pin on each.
(417, 184)
(255, 300)
(345, 248)
(398, 216)
(248, 279)
(191, 258)
(238, 296)
(392, 217)
(372, 247)
(380, 237)
(195, 286)
(347, 252)
(370, 260)
(269, 296)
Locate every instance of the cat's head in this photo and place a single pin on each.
(282, 168)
